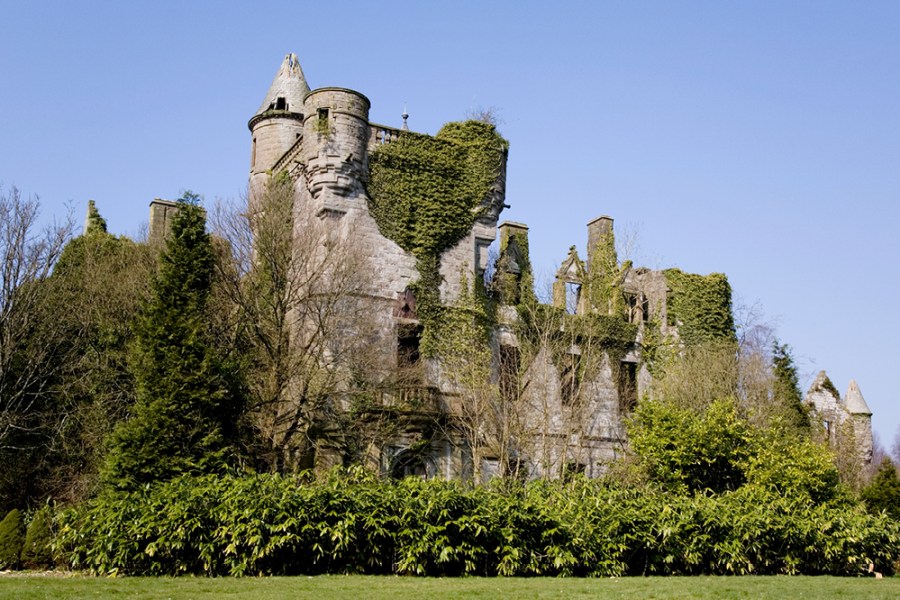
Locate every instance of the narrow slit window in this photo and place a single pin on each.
(627, 387)
(509, 369)
(569, 377)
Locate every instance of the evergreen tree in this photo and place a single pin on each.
(12, 537)
(36, 553)
(185, 414)
(883, 492)
(787, 386)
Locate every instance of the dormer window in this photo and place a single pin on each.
(280, 103)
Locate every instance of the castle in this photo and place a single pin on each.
(541, 400)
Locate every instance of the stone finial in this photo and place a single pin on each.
(404, 116)
(288, 88)
(854, 402)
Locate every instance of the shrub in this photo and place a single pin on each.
(36, 552)
(12, 537)
(355, 523)
(883, 492)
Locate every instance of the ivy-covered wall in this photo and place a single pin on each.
(425, 194)
(700, 306)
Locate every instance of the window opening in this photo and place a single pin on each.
(573, 294)
(509, 370)
(569, 377)
(627, 387)
(280, 103)
(408, 355)
(573, 468)
(409, 464)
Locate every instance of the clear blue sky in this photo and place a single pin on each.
(760, 139)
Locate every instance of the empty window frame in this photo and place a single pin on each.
(627, 387)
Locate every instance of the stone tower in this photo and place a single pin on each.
(278, 124)
(335, 144)
(861, 418)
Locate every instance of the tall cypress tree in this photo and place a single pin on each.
(186, 409)
(787, 385)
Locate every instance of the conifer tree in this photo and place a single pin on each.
(883, 492)
(36, 553)
(12, 537)
(787, 386)
(185, 414)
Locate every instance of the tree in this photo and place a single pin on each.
(33, 342)
(36, 551)
(690, 450)
(883, 492)
(787, 387)
(94, 294)
(27, 256)
(12, 537)
(303, 312)
(187, 406)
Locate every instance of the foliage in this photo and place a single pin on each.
(792, 465)
(509, 287)
(787, 386)
(93, 297)
(692, 449)
(33, 341)
(297, 300)
(12, 538)
(700, 305)
(354, 523)
(186, 409)
(425, 194)
(96, 224)
(883, 492)
(36, 552)
(691, 452)
(604, 277)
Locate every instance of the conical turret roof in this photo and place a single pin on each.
(855, 403)
(289, 84)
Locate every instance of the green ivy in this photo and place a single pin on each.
(426, 192)
(700, 306)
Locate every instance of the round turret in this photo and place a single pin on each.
(336, 136)
(278, 124)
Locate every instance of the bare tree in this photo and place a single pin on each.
(29, 344)
(301, 303)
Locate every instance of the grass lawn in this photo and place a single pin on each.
(32, 586)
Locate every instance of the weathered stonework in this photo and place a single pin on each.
(571, 400)
(847, 417)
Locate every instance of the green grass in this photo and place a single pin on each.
(34, 586)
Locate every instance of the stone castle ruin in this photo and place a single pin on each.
(478, 377)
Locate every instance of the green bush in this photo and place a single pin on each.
(883, 492)
(36, 553)
(12, 538)
(355, 523)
